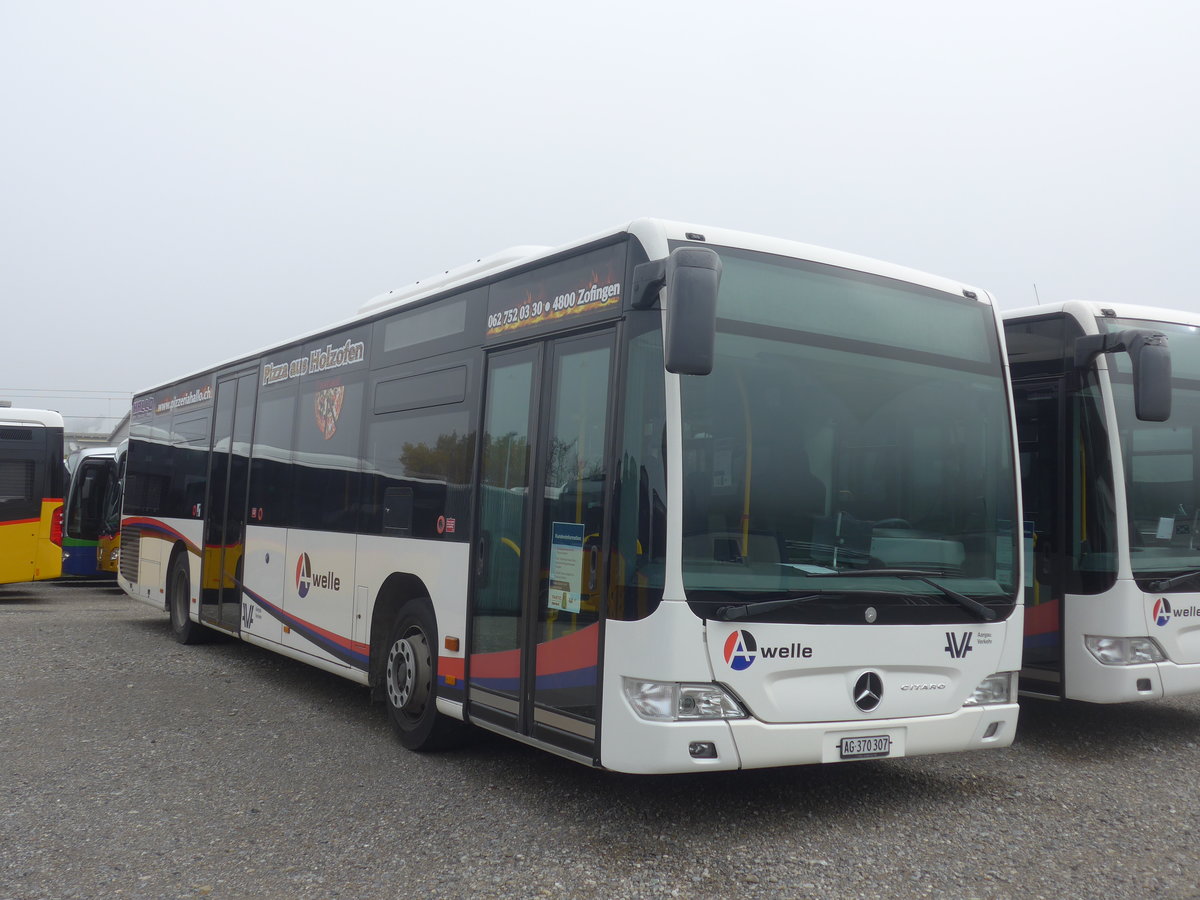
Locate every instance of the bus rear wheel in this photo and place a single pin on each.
(410, 681)
(179, 599)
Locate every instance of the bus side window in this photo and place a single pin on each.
(271, 468)
(328, 431)
(640, 515)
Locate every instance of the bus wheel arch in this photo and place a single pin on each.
(396, 591)
(404, 651)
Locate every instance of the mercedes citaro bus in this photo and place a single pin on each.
(1108, 412)
(666, 499)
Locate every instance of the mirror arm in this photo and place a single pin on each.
(648, 279)
(1150, 358)
(1089, 347)
(1093, 345)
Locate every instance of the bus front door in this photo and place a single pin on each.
(225, 509)
(538, 581)
(1041, 435)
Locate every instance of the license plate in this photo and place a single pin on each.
(865, 747)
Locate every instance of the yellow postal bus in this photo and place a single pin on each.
(31, 494)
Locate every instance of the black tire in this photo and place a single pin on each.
(410, 682)
(179, 601)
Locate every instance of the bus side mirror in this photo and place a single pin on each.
(1151, 360)
(687, 282)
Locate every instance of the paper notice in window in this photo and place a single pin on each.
(1166, 529)
(566, 567)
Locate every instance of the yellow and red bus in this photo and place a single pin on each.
(32, 478)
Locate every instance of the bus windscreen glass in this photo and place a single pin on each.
(1160, 457)
(851, 424)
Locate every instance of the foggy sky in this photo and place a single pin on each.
(183, 183)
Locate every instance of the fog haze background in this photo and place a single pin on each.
(183, 183)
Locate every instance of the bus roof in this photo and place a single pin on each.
(47, 418)
(1089, 309)
(655, 235)
(78, 456)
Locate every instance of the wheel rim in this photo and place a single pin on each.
(408, 673)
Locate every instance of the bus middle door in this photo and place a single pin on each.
(1041, 431)
(225, 509)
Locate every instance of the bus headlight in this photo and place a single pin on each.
(1124, 651)
(669, 701)
(996, 688)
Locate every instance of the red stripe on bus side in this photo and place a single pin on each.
(451, 666)
(1042, 618)
(565, 654)
(580, 650)
(356, 646)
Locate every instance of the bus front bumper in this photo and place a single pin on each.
(1122, 684)
(1178, 679)
(666, 747)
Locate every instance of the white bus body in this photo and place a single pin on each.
(93, 479)
(489, 500)
(1111, 507)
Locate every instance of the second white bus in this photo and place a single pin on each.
(1108, 412)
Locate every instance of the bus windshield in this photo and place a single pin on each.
(851, 424)
(1160, 457)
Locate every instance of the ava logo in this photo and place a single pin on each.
(303, 575)
(958, 646)
(328, 407)
(740, 650)
(1162, 611)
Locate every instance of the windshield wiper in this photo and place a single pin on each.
(969, 603)
(729, 613)
(1168, 583)
(848, 573)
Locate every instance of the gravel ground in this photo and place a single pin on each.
(132, 766)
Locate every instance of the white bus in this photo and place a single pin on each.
(1108, 415)
(90, 490)
(579, 497)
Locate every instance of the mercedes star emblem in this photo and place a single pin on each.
(868, 691)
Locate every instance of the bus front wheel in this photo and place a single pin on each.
(411, 681)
